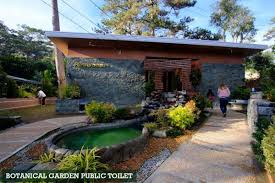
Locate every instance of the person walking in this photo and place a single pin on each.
(223, 94)
(42, 96)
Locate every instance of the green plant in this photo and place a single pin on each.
(174, 132)
(85, 162)
(161, 117)
(70, 92)
(241, 92)
(47, 83)
(12, 89)
(46, 158)
(195, 76)
(258, 135)
(201, 102)
(123, 113)
(23, 93)
(151, 126)
(99, 111)
(268, 145)
(270, 94)
(149, 87)
(181, 117)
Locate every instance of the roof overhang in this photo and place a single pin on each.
(67, 40)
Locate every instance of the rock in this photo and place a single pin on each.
(45, 166)
(24, 166)
(159, 133)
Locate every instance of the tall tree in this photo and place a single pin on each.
(271, 32)
(232, 18)
(59, 57)
(146, 17)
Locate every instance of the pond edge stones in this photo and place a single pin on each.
(110, 154)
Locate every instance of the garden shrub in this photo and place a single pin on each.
(46, 158)
(70, 92)
(268, 146)
(270, 94)
(201, 102)
(261, 126)
(149, 87)
(99, 111)
(241, 92)
(174, 132)
(47, 83)
(84, 162)
(23, 93)
(123, 113)
(161, 117)
(12, 89)
(151, 126)
(181, 117)
(195, 76)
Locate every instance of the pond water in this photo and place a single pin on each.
(100, 138)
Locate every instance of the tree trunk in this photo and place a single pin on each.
(59, 57)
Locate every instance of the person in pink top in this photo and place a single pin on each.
(223, 94)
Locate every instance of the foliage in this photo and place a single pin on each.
(231, 17)
(99, 111)
(46, 158)
(241, 92)
(25, 42)
(271, 32)
(201, 33)
(70, 92)
(270, 94)
(23, 93)
(195, 76)
(25, 68)
(123, 113)
(182, 117)
(261, 126)
(174, 132)
(145, 17)
(149, 87)
(3, 82)
(268, 145)
(201, 102)
(47, 84)
(12, 89)
(84, 162)
(151, 126)
(161, 117)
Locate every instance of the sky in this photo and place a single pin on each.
(37, 14)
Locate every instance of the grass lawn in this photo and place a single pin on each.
(32, 114)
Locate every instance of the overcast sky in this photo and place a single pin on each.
(37, 14)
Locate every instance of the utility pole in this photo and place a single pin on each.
(59, 57)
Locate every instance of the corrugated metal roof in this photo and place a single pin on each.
(161, 40)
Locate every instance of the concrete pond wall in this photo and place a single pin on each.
(108, 80)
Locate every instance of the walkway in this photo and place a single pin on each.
(14, 139)
(219, 152)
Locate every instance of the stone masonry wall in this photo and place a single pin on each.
(108, 80)
(214, 74)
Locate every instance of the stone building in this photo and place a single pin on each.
(114, 68)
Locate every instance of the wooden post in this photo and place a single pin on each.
(59, 57)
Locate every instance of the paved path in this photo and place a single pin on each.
(219, 152)
(14, 139)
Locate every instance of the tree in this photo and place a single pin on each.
(203, 34)
(26, 42)
(145, 17)
(230, 17)
(271, 33)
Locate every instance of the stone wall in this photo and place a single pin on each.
(257, 107)
(108, 80)
(214, 74)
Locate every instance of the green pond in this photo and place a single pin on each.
(100, 138)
